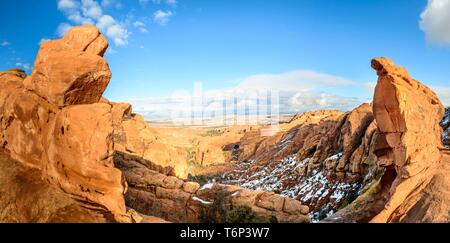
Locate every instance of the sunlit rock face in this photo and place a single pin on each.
(71, 70)
(408, 116)
(53, 121)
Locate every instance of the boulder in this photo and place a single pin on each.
(71, 70)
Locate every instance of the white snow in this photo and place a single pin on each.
(201, 200)
(207, 186)
(281, 177)
(335, 157)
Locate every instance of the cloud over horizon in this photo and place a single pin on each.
(295, 92)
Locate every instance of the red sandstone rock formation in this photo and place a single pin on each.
(156, 193)
(330, 133)
(408, 115)
(51, 120)
(71, 70)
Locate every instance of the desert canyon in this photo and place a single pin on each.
(67, 154)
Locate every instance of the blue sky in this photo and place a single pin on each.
(320, 47)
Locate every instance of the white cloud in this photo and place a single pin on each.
(90, 12)
(68, 5)
(113, 30)
(172, 3)
(91, 9)
(25, 66)
(4, 43)
(138, 24)
(434, 21)
(63, 28)
(141, 26)
(112, 3)
(43, 40)
(161, 17)
(309, 101)
(443, 93)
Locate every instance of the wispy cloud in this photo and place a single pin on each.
(162, 17)
(25, 66)
(90, 12)
(434, 21)
(43, 40)
(112, 3)
(5, 43)
(141, 26)
(171, 3)
(63, 28)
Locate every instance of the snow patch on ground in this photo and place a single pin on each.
(323, 195)
(201, 201)
(335, 157)
(207, 187)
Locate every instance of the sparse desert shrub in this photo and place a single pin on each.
(217, 211)
(192, 161)
(213, 133)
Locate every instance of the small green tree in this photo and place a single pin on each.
(217, 211)
(244, 215)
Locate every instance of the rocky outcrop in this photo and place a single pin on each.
(71, 70)
(318, 136)
(52, 120)
(154, 193)
(136, 137)
(324, 159)
(408, 115)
